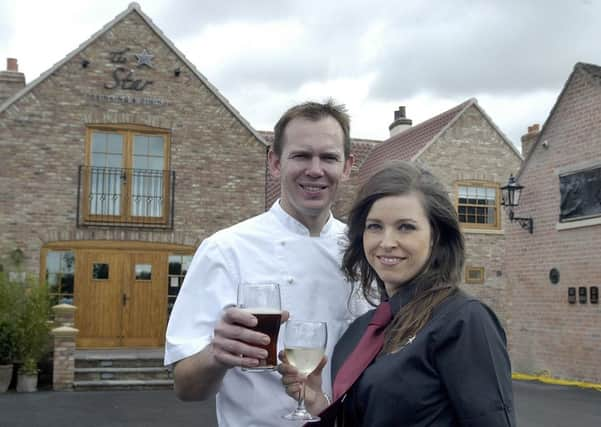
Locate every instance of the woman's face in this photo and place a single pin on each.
(397, 239)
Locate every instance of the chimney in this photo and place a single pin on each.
(400, 122)
(529, 138)
(11, 81)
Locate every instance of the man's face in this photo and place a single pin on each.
(310, 167)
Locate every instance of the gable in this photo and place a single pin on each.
(474, 134)
(575, 111)
(148, 60)
(407, 144)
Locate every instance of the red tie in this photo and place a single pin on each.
(366, 350)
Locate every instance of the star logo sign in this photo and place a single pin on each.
(144, 58)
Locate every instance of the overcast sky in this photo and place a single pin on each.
(372, 55)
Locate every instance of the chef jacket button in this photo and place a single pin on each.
(290, 280)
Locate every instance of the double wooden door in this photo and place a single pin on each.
(121, 298)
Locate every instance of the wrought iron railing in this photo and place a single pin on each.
(125, 197)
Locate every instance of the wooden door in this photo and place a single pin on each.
(98, 297)
(121, 298)
(145, 308)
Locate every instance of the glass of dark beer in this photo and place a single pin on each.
(263, 301)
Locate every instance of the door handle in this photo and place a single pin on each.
(124, 298)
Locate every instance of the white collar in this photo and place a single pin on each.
(295, 226)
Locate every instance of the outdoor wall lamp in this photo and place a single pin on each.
(511, 199)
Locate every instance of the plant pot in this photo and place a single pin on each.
(27, 383)
(6, 374)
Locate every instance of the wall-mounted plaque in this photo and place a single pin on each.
(580, 195)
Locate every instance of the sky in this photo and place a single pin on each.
(264, 56)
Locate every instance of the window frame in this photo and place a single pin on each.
(497, 205)
(471, 281)
(128, 133)
(60, 295)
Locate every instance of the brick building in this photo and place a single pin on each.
(115, 163)
(473, 158)
(555, 273)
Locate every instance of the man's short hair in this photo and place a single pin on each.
(314, 111)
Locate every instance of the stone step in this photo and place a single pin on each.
(119, 373)
(123, 385)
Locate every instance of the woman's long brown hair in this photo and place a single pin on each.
(440, 276)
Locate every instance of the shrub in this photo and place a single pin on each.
(9, 296)
(32, 328)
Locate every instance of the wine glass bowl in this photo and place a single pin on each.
(304, 346)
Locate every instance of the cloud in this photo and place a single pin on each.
(491, 47)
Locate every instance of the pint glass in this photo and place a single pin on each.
(262, 300)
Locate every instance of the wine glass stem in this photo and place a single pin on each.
(301, 400)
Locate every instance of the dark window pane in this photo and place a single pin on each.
(100, 271)
(67, 283)
(175, 267)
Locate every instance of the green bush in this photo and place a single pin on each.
(32, 326)
(9, 301)
(24, 328)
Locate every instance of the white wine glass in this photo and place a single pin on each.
(304, 345)
(263, 301)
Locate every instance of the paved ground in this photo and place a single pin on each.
(537, 405)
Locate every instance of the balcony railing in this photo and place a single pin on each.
(125, 197)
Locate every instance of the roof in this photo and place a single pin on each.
(407, 144)
(593, 72)
(410, 143)
(132, 8)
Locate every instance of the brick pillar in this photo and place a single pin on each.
(64, 347)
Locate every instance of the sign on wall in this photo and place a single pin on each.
(580, 194)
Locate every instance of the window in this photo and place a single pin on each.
(126, 177)
(478, 204)
(178, 267)
(474, 275)
(60, 267)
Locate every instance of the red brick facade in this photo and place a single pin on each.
(218, 158)
(548, 334)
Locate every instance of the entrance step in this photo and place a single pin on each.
(121, 369)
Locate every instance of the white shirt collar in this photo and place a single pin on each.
(295, 226)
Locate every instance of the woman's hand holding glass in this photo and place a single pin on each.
(304, 347)
(293, 380)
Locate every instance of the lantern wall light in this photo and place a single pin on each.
(511, 199)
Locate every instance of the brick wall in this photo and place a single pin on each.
(219, 163)
(547, 333)
(471, 149)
